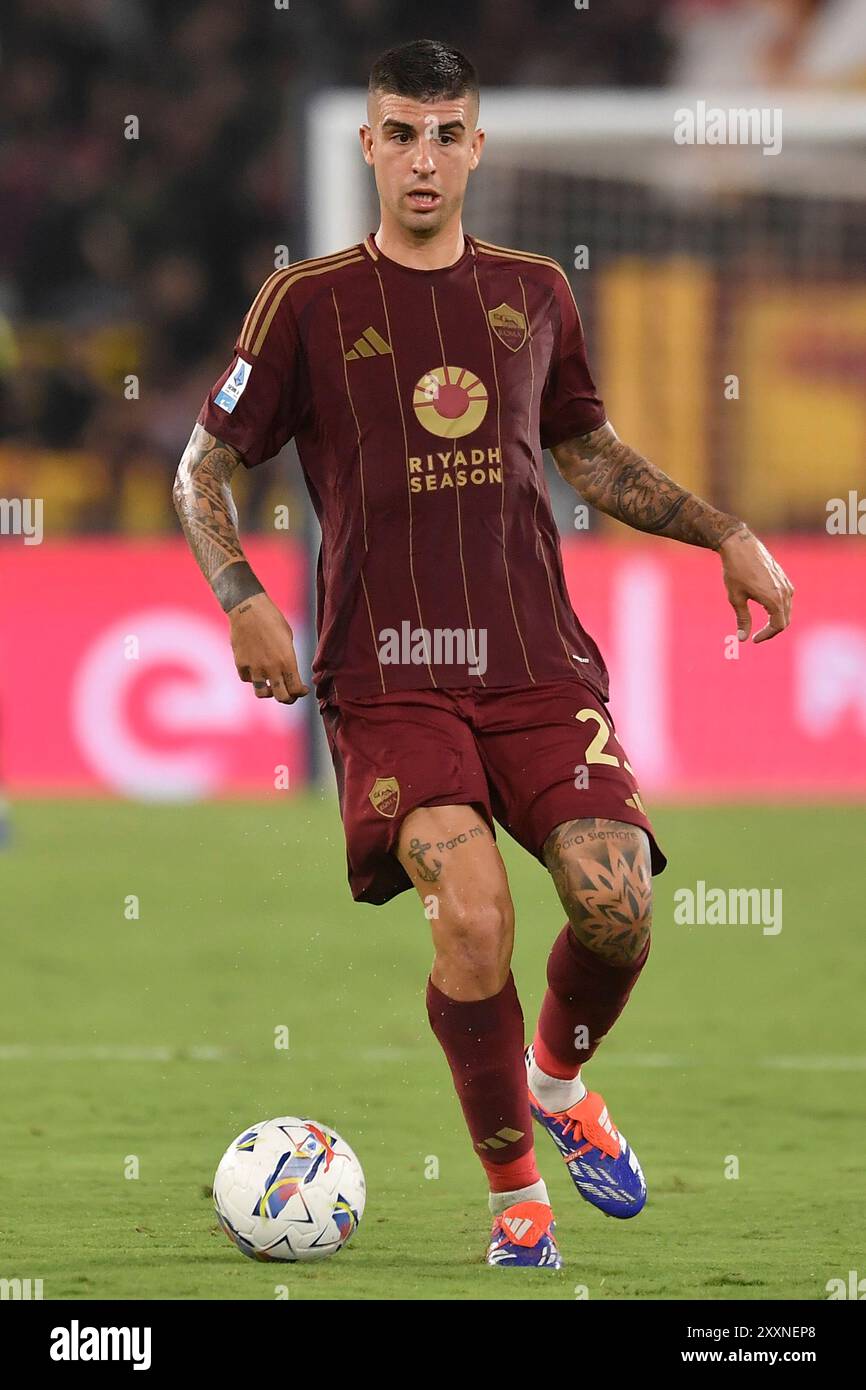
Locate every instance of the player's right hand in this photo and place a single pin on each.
(264, 651)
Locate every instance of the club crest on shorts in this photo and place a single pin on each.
(385, 796)
(509, 325)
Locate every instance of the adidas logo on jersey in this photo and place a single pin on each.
(369, 344)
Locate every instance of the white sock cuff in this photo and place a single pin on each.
(501, 1201)
(554, 1092)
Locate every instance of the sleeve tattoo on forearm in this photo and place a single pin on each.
(617, 480)
(204, 503)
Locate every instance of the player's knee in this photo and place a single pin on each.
(603, 874)
(476, 937)
(621, 935)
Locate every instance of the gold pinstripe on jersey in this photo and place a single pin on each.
(456, 490)
(502, 484)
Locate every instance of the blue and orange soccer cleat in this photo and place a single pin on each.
(523, 1235)
(603, 1167)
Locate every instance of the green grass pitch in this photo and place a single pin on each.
(154, 1038)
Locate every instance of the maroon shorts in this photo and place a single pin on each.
(529, 757)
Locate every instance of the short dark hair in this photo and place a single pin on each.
(426, 70)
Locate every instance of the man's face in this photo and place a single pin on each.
(422, 153)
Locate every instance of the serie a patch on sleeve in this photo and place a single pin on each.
(234, 386)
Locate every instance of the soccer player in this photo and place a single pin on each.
(422, 372)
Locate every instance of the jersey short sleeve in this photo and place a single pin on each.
(258, 402)
(570, 404)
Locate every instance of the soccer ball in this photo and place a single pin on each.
(289, 1189)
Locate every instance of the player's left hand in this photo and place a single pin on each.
(751, 573)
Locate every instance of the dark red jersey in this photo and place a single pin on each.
(420, 402)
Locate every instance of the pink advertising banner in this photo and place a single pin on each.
(116, 675)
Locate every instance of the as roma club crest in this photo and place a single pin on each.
(509, 326)
(385, 796)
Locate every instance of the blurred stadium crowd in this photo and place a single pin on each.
(136, 257)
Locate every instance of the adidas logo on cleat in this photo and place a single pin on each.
(606, 1124)
(517, 1226)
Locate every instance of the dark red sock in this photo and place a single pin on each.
(583, 989)
(483, 1042)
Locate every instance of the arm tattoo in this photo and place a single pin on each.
(203, 500)
(616, 479)
(602, 872)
